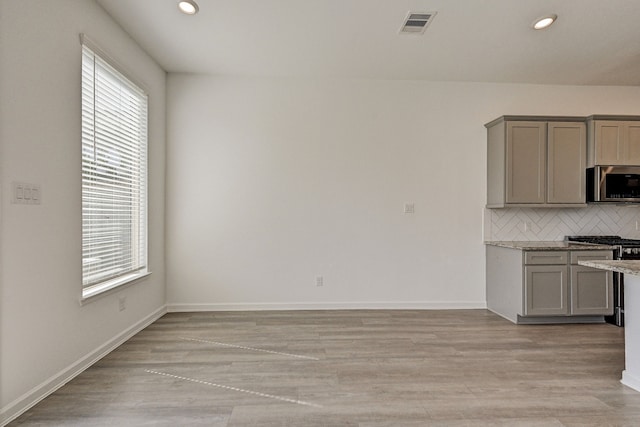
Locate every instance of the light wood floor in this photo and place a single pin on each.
(351, 368)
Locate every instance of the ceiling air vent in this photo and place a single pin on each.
(417, 22)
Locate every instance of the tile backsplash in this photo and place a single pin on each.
(554, 224)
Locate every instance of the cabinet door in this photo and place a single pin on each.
(609, 141)
(591, 291)
(545, 290)
(526, 162)
(632, 143)
(566, 162)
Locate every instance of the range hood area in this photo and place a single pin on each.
(562, 161)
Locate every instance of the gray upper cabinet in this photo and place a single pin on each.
(566, 162)
(526, 162)
(536, 162)
(613, 142)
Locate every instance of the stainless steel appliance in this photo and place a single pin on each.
(618, 184)
(624, 249)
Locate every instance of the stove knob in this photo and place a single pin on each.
(627, 251)
(636, 251)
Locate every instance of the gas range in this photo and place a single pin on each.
(626, 248)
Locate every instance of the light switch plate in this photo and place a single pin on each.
(26, 194)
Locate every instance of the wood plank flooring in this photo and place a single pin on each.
(365, 368)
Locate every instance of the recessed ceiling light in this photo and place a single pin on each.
(190, 7)
(544, 22)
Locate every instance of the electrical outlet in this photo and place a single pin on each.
(637, 226)
(526, 226)
(319, 281)
(122, 303)
(409, 208)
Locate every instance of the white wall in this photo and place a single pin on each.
(45, 334)
(272, 182)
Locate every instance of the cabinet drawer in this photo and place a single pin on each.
(545, 257)
(590, 255)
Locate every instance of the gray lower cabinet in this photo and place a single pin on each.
(591, 289)
(548, 286)
(546, 290)
(545, 283)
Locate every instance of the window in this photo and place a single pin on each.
(114, 177)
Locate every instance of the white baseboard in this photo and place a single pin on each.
(39, 392)
(397, 305)
(630, 380)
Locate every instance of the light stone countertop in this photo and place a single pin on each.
(554, 245)
(620, 266)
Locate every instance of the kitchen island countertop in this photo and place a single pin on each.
(620, 266)
(552, 245)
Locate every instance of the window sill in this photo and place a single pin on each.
(94, 292)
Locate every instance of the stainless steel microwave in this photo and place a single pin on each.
(618, 184)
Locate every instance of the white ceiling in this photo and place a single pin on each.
(594, 42)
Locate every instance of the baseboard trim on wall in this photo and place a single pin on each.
(22, 404)
(630, 380)
(398, 305)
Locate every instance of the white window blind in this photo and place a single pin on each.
(114, 176)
